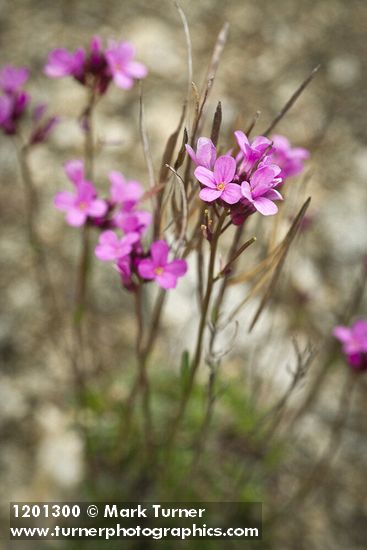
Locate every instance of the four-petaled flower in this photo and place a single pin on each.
(111, 248)
(219, 183)
(354, 342)
(124, 193)
(260, 190)
(124, 70)
(158, 267)
(81, 205)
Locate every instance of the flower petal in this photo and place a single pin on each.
(97, 208)
(265, 206)
(108, 237)
(146, 269)
(209, 195)
(166, 280)
(224, 169)
(136, 69)
(246, 190)
(76, 217)
(176, 267)
(205, 176)
(64, 200)
(159, 252)
(232, 193)
(74, 169)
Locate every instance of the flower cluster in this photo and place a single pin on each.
(249, 181)
(354, 343)
(119, 213)
(97, 67)
(14, 101)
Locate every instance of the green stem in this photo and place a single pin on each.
(200, 335)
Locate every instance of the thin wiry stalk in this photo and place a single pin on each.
(291, 101)
(200, 334)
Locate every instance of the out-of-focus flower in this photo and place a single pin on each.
(82, 205)
(205, 155)
(135, 221)
(354, 343)
(250, 153)
(111, 248)
(96, 68)
(124, 69)
(290, 159)
(219, 183)
(158, 267)
(13, 78)
(61, 62)
(124, 193)
(260, 192)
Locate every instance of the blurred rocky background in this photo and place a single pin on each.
(271, 48)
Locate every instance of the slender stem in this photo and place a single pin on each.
(81, 286)
(200, 440)
(142, 380)
(200, 335)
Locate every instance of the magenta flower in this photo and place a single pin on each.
(250, 153)
(205, 155)
(124, 70)
(290, 159)
(260, 192)
(13, 78)
(354, 342)
(124, 193)
(219, 183)
(111, 248)
(82, 205)
(158, 267)
(62, 63)
(133, 221)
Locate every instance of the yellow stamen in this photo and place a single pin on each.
(158, 270)
(220, 186)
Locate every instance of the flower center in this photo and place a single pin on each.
(82, 205)
(158, 270)
(220, 186)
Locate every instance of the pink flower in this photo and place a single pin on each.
(81, 205)
(124, 70)
(290, 159)
(205, 155)
(260, 192)
(111, 248)
(133, 221)
(251, 152)
(62, 63)
(354, 341)
(219, 183)
(124, 193)
(158, 267)
(13, 78)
